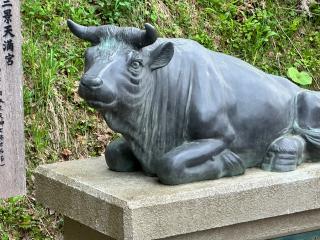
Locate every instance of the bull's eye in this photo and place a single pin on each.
(136, 64)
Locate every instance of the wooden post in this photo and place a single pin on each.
(12, 163)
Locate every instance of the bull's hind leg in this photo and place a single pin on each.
(198, 160)
(284, 154)
(307, 122)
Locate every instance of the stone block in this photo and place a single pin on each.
(257, 205)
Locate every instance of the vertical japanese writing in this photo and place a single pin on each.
(8, 50)
(12, 164)
(8, 44)
(2, 160)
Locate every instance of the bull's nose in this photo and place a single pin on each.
(91, 82)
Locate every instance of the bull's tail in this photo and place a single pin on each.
(312, 135)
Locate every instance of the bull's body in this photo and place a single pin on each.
(204, 115)
(232, 100)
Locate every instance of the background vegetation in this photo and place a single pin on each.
(273, 35)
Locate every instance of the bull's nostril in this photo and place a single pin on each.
(91, 82)
(96, 82)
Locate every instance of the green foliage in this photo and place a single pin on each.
(272, 35)
(114, 11)
(14, 214)
(302, 78)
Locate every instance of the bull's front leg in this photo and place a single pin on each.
(198, 160)
(120, 158)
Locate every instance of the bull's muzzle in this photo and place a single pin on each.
(91, 82)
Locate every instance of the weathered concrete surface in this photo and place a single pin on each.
(133, 206)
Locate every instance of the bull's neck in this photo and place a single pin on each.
(159, 122)
(161, 119)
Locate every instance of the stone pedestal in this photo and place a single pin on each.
(101, 204)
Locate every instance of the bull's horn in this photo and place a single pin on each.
(147, 37)
(85, 33)
(151, 34)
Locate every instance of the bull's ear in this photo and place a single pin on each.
(161, 56)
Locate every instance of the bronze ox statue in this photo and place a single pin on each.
(189, 114)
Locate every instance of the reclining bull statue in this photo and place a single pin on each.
(189, 114)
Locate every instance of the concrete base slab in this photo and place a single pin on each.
(260, 230)
(76, 231)
(257, 205)
(255, 230)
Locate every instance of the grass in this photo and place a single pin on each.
(59, 126)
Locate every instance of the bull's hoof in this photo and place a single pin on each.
(233, 165)
(284, 154)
